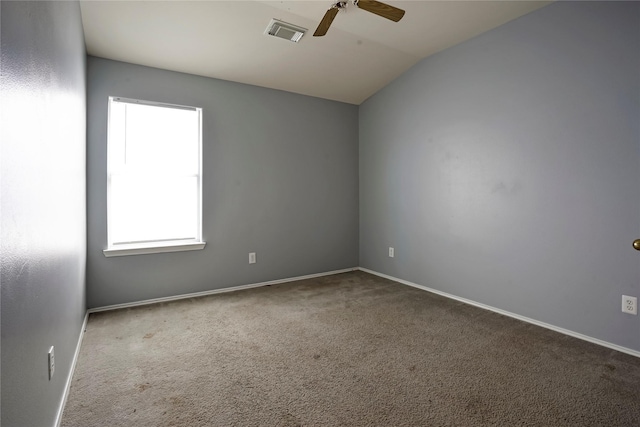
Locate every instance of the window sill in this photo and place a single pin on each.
(153, 249)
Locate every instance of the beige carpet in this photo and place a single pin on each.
(351, 349)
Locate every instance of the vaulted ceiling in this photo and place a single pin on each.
(360, 54)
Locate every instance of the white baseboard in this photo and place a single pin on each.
(311, 276)
(217, 291)
(172, 298)
(67, 386)
(509, 314)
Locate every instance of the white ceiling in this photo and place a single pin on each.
(360, 54)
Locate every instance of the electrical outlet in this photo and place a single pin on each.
(252, 257)
(52, 363)
(391, 252)
(629, 304)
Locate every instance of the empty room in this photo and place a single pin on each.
(317, 213)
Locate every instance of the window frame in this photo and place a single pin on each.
(153, 246)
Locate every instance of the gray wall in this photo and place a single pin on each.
(505, 169)
(43, 224)
(280, 179)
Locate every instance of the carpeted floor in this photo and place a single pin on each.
(350, 349)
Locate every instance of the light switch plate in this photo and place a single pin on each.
(52, 362)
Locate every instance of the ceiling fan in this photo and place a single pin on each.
(373, 6)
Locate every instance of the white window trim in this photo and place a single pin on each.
(157, 246)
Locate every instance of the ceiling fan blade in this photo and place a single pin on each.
(327, 19)
(381, 9)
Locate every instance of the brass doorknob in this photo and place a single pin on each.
(636, 244)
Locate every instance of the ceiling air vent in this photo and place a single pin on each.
(285, 31)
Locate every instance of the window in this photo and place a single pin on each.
(154, 177)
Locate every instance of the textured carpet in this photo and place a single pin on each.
(351, 349)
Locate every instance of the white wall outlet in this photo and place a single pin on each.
(52, 363)
(629, 304)
(391, 252)
(252, 257)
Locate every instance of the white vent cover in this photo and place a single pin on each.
(285, 31)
